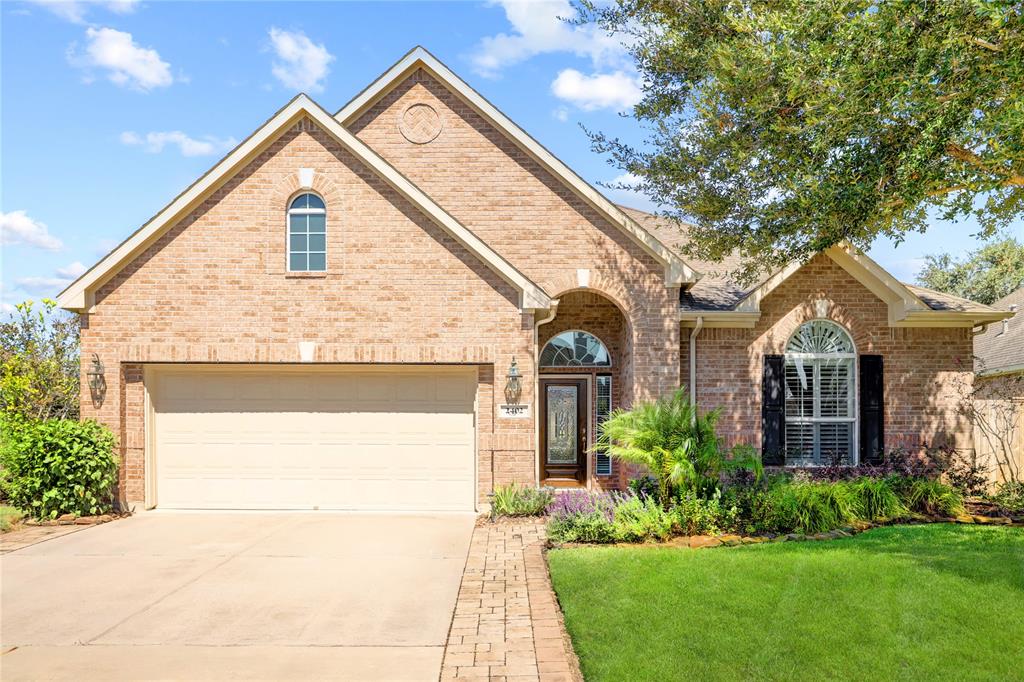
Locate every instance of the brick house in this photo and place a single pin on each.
(329, 318)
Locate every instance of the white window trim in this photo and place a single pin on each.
(853, 399)
(289, 212)
(597, 424)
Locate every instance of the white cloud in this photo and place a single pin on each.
(625, 189)
(301, 64)
(539, 27)
(75, 10)
(17, 227)
(561, 114)
(628, 179)
(618, 90)
(125, 62)
(53, 284)
(155, 142)
(71, 270)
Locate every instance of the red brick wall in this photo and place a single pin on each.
(922, 365)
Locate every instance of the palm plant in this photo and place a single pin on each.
(678, 446)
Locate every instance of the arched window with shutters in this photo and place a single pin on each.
(307, 234)
(820, 396)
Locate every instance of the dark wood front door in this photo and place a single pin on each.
(563, 430)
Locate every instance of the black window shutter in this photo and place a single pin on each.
(872, 410)
(773, 411)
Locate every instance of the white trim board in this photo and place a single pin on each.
(79, 296)
(677, 272)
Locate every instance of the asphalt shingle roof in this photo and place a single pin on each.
(1002, 345)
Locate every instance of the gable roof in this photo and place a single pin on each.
(677, 272)
(719, 296)
(1001, 348)
(79, 295)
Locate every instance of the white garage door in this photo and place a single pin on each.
(372, 439)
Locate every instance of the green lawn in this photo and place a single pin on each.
(8, 517)
(935, 602)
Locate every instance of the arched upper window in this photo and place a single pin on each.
(820, 396)
(575, 349)
(307, 234)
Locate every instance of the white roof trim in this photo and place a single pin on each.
(79, 295)
(906, 309)
(676, 270)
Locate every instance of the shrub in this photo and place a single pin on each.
(697, 516)
(812, 507)
(516, 500)
(1010, 497)
(639, 519)
(644, 486)
(58, 466)
(933, 498)
(967, 474)
(876, 499)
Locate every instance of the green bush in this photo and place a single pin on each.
(593, 527)
(1009, 496)
(516, 500)
(639, 519)
(933, 498)
(58, 466)
(696, 516)
(812, 507)
(876, 499)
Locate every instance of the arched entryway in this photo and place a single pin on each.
(584, 362)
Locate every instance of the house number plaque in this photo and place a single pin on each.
(517, 411)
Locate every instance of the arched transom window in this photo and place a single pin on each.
(575, 349)
(820, 408)
(307, 234)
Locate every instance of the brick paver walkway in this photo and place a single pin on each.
(507, 624)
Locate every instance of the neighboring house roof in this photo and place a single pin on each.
(79, 295)
(677, 271)
(1000, 349)
(720, 296)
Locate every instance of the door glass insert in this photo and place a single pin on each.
(562, 403)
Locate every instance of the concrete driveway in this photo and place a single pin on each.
(235, 596)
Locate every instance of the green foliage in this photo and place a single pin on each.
(984, 275)
(678, 446)
(58, 466)
(641, 519)
(933, 498)
(782, 128)
(39, 363)
(516, 500)
(876, 499)
(592, 527)
(8, 517)
(643, 486)
(697, 516)
(1010, 497)
(813, 507)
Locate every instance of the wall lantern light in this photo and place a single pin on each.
(513, 384)
(97, 381)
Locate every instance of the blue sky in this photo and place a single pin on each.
(110, 108)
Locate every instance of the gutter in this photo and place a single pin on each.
(693, 365)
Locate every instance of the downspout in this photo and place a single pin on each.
(536, 392)
(693, 365)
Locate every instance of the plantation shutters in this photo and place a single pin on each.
(773, 414)
(603, 409)
(872, 409)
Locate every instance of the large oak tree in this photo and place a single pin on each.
(782, 127)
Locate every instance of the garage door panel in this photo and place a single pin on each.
(328, 440)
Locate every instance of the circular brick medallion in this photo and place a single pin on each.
(420, 123)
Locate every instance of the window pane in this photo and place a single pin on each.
(297, 223)
(799, 388)
(297, 242)
(299, 201)
(298, 261)
(799, 444)
(317, 222)
(318, 242)
(835, 387)
(575, 349)
(313, 201)
(318, 262)
(835, 443)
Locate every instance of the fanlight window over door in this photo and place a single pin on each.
(575, 349)
(820, 390)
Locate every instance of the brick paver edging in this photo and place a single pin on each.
(507, 625)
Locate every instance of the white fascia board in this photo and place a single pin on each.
(77, 295)
(677, 272)
(720, 318)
